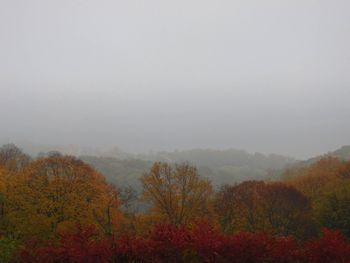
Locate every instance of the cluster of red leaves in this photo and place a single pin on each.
(201, 243)
(331, 247)
(80, 246)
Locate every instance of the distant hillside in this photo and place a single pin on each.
(220, 166)
(121, 172)
(216, 158)
(226, 166)
(342, 153)
(36, 149)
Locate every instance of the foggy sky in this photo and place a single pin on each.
(260, 75)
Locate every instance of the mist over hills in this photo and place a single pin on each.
(342, 153)
(35, 149)
(220, 166)
(122, 168)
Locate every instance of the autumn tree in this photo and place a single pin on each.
(326, 183)
(56, 192)
(178, 193)
(320, 177)
(106, 209)
(258, 206)
(334, 209)
(12, 158)
(287, 210)
(3, 185)
(238, 206)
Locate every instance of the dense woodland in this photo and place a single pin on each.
(59, 208)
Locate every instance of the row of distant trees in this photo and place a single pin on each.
(220, 166)
(58, 209)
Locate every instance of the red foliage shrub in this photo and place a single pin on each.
(207, 243)
(83, 246)
(201, 243)
(166, 243)
(170, 242)
(332, 247)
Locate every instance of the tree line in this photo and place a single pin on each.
(57, 208)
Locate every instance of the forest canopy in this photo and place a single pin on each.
(57, 208)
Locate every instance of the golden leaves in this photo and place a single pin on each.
(177, 193)
(54, 193)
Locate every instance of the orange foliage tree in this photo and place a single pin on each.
(320, 177)
(54, 194)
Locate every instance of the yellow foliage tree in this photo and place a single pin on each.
(178, 194)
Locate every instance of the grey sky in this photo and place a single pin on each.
(260, 75)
